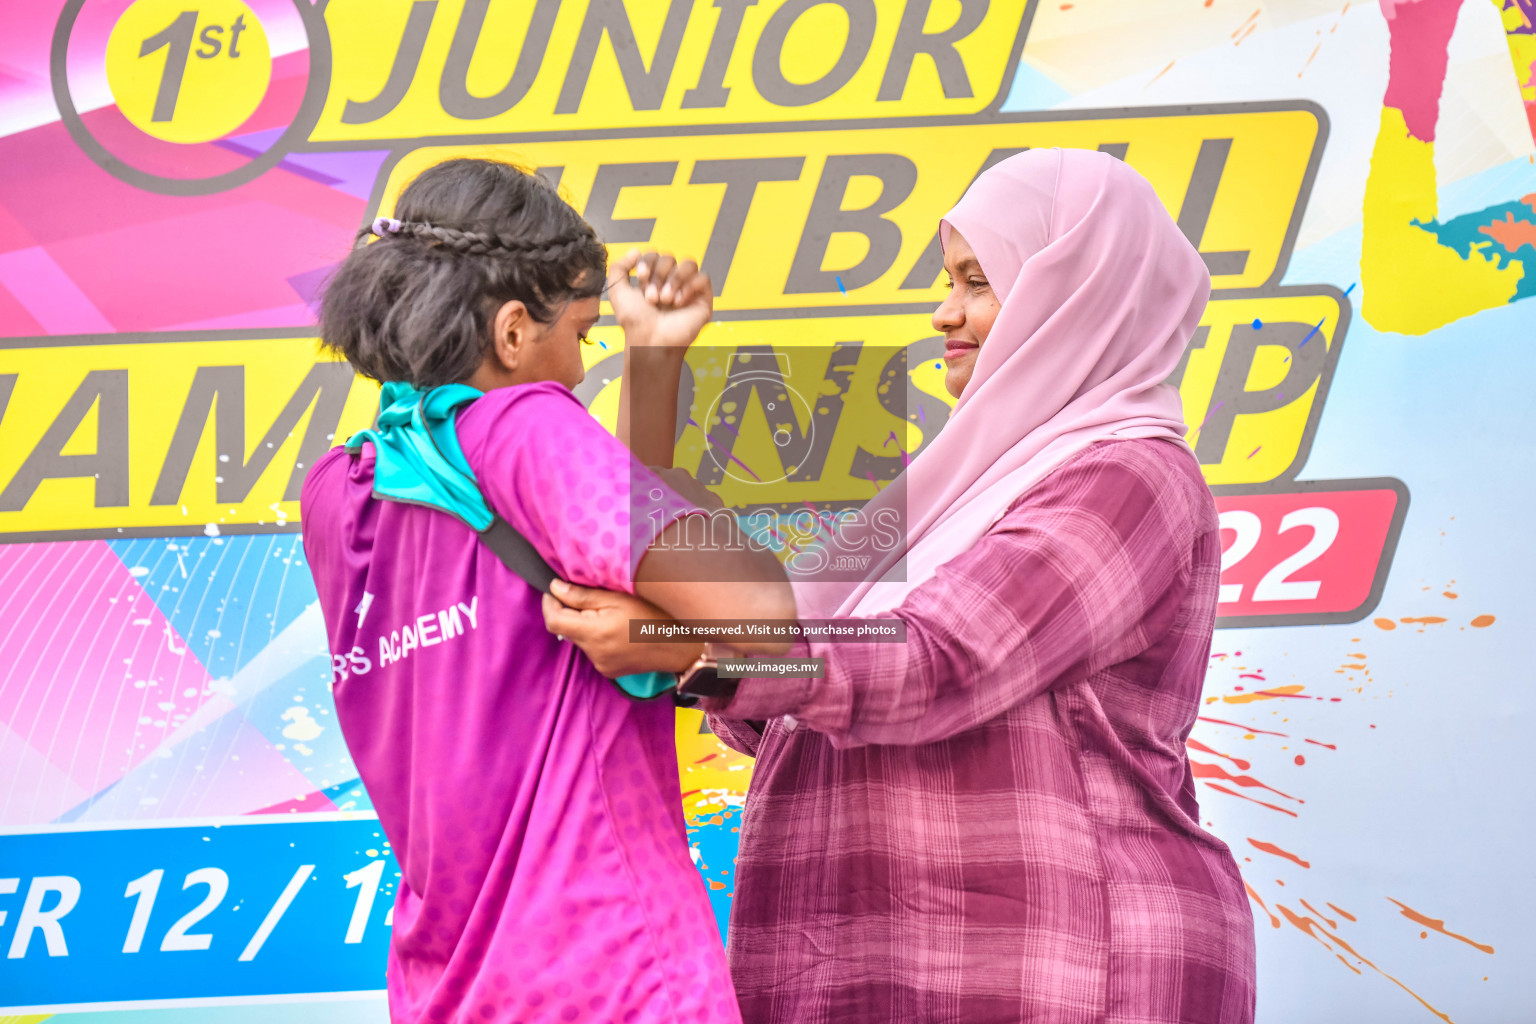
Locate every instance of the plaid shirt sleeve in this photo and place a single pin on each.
(740, 736)
(1069, 581)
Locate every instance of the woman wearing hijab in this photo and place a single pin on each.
(996, 820)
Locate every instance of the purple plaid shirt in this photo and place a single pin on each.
(996, 821)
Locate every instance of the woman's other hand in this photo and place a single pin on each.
(668, 305)
(597, 621)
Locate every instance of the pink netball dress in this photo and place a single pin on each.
(534, 808)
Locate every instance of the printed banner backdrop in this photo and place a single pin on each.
(182, 835)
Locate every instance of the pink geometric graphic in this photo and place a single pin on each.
(92, 676)
(237, 772)
(45, 290)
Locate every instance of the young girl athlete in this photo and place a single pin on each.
(533, 806)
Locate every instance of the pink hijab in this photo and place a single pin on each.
(1100, 295)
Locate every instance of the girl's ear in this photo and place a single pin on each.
(511, 332)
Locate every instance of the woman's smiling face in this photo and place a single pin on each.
(966, 315)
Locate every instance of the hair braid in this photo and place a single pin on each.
(484, 243)
(471, 235)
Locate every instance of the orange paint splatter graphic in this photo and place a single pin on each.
(1233, 776)
(1510, 233)
(1273, 850)
(1438, 925)
(1330, 922)
(1305, 924)
(1312, 928)
(1346, 963)
(1290, 690)
(1197, 745)
(1308, 64)
(1230, 792)
(1245, 728)
(1202, 770)
(1273, 920)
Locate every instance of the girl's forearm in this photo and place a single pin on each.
(648, 390)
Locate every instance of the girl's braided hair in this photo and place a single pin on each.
(418, 304)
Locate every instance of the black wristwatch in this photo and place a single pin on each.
(702, 679)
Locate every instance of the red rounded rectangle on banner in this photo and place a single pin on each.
(1315, 554)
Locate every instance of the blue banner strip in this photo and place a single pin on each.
(245, 907)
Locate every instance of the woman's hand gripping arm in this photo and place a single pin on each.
(684, 575)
